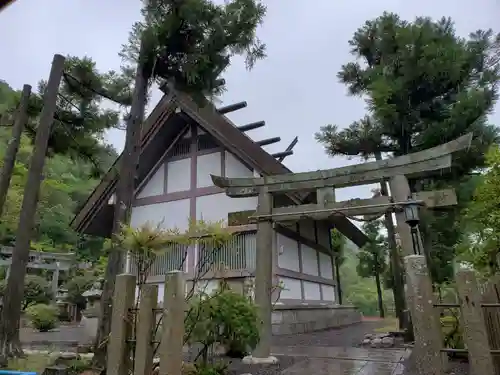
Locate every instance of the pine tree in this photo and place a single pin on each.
(424, 86)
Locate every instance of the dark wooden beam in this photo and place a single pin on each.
(282, 154)
(289, 148)
(268, 141)
(231, 107)
(220, 82)
(251, 126)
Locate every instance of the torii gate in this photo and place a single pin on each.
(324, 182)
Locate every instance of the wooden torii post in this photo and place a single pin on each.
(396, 170)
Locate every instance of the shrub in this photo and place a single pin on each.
(36, 290)
(43, 317)
(224, 317)
(78, 366)
(453, 336)
(76, 287)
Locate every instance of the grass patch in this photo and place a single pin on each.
(388, 325)
(31, 363)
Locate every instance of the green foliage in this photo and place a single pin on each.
(338, 245)
(224, 317)
(363, 295)
(202, 368)
(80, 119)
(36, 290)
(78, 366)
(480, 244)
(43, 317)
(453, 335)
(65, 187)
(361, 292)
(373, 256)
(191, 43)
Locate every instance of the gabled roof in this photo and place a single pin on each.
(166, 121)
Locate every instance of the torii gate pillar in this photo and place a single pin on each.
(264, 280)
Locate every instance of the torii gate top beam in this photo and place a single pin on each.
(411, 165)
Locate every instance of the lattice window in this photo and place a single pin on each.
(181, 148)
(172, 259)
(206, 142)
(237, 254)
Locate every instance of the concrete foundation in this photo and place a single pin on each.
(288, 319)
(302, 318)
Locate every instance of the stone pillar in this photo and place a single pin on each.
(55, 280)
(264, 279)
(400, 191)
(172, 339)
(146, 319)
(428, 340)
(128, 260)
(474, 328)
(325, 195)
(118, 359)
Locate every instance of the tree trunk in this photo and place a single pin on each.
(397, 271)
(337, 276)
(124, 198)
(9, 159)
(9, 325)
(379, 296)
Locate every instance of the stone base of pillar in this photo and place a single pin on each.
(249, 360)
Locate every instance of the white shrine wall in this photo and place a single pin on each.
(181, 189)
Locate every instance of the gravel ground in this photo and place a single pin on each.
(458, 368)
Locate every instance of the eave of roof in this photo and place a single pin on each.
(158, 116)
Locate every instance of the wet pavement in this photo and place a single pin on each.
(331, 352)
(343, 361)
(335, 352)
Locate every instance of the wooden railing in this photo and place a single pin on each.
(172, 259)
(237, 254)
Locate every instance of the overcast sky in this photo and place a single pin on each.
(294, 90)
